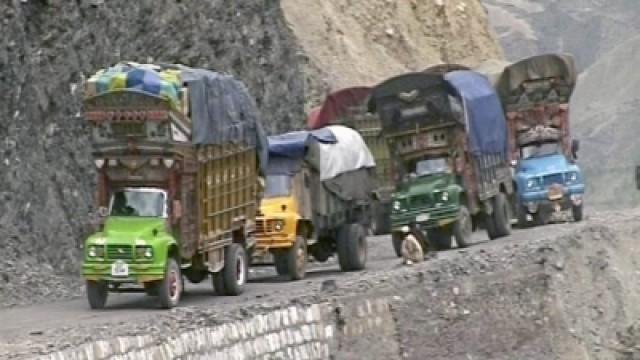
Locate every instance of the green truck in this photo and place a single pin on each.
(447, 138)
(178, 181)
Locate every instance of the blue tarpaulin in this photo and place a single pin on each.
(293, 144)
(485, 121)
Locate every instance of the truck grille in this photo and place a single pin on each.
(420, 201)
(119, 252)
(553, 179)
(264, 226)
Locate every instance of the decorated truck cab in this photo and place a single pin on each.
(535, 93)
(447, 137)
(178, 185)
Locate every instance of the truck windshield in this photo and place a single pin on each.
(537, 150)
(432, 166)
(142, 203)
(277, 185)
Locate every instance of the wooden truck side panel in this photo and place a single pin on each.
(227, 193)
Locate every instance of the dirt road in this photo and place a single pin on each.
(37, 329)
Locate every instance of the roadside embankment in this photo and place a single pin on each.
(568, 295)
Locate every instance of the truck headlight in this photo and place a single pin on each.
(278, 225)
(531, 183)
(144, 252)
(573, 177)
(96, 251)
(396, 205)
(445, 196)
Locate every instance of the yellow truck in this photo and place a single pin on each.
(318, 197)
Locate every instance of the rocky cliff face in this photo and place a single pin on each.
(287, 52)
(586, 28)
(605, 117)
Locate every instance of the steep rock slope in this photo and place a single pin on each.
(363, 42)
(288, 53)
(586, 28)
(605, 117)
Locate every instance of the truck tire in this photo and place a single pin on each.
(217, 280)
(441, 238)
(280, 262)
(97, 293)
(297, 259)
(396, 240)
(576, 211)
(352, 247)
(523, 223)
(235, 271)
(170, 287)
(463, 228)
(490, 226)
(501, 216)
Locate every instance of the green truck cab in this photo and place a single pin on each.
(175, 201)
(447, 138)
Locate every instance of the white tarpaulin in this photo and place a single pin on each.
(348, 154)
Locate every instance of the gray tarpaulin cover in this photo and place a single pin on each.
(223, 112)
(535, 68)
(350, 152)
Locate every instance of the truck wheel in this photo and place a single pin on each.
(441, 238)
(463, 228)
(97, 293)
(170, 288)
(217, 280)
(576, 211)
(396, 240)
(235, 271)
(352, 247)
(501, 216)
(523, 223)
(297, 259)
(280, 261)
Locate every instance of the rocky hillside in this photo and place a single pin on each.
(586, 28)
(289, 53)
(605, 117)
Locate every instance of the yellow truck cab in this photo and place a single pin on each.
(289, 227)
(283, 225)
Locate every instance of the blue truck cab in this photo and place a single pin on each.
(547, 181)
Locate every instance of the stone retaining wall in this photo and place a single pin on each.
(312, 332)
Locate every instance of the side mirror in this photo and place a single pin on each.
(103, 211)
(638, 177)
(575, 147)
(375, 196)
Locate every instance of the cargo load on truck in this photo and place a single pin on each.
(535, 93)
(190, 140)
(348, 107)
(318, 198)
(447, 133)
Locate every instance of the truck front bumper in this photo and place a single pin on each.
(137, 272)
(272, 241)
(543, 201)
(427, 218)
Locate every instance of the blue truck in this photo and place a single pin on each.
(535, 94)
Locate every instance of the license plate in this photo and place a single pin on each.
(120, 269)
(423, 217)
(555, 194)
